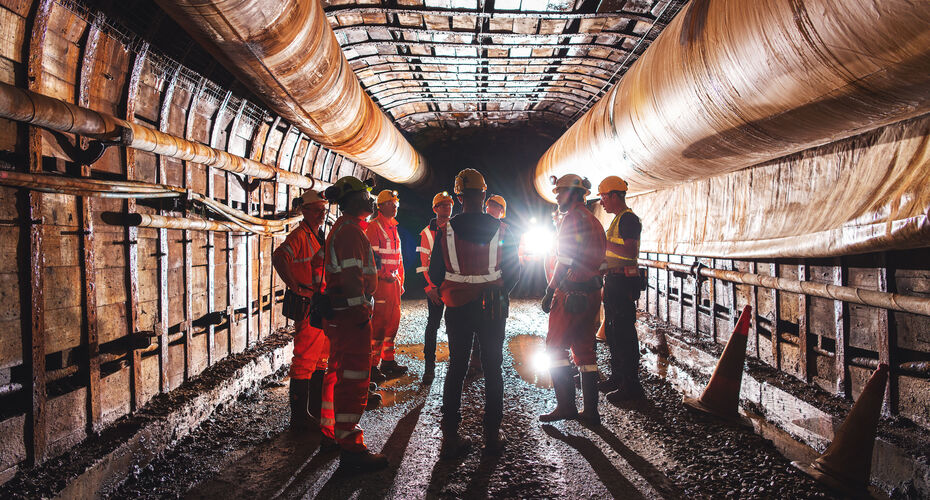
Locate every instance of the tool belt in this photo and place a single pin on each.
(295, 307)
(495, 304)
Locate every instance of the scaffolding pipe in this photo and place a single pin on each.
(874, 298)
(733, 83)
(42, 111)
(286, 52)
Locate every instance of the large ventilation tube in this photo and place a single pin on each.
(286, 52)
(730, 84)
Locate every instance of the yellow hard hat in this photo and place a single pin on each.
(469, 179)
(442, 198)
(310, 196)
(386, 196)
(346, 185)
(611, 183)
(571, 181)
(500, 201)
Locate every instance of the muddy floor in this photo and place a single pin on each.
(651, 449)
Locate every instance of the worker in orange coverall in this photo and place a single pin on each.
(442, 207)
(382, 232)
(299, 263)
(573, 302)
(351, 279)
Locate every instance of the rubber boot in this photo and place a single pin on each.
(589, 415)
(494, 443)
(374, 400)
(453, 445)
(298, 394)
(362, 461)
(390, 368)
(376, 375)
(430, 372)
(564, 386)
(315, 402)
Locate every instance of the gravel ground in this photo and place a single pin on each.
(651, 449)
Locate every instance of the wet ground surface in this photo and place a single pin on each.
(650, 449)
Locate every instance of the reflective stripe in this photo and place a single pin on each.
(348, 418)
(327, 422)
(422, 269)
(603, 266)
(565, 260)
(303, 260)
(376, 249)
(327, 405)
(369, 270)
(355, 374)
(287, 248)
(342, 434)
(450, 244)
(559, 363)
(390, 261)
(380, 301)
(618, 241)
(587, 368)
(349, 263)
(423, 250)
(429, 236)
(492, 256)
(388, 251)
(616, 256)
(467, 278)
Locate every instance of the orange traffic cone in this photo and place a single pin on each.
(847, 463)
(721, 396)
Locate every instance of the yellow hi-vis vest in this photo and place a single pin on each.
(616, 261)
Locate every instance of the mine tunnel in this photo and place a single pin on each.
(159, 159)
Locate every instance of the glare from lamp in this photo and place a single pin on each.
(538, 241)
(541, 362)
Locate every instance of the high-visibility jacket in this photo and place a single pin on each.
(615, 261)
(351, 276)
(427, 239)
(385, 242)
(581, 244)
(470, 267)
(303, 253)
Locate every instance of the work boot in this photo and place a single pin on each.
(590, 414)
(494, 442)
(362, 461)
(374, 400)
(298, 394)
(376, 375)
(453, 445)
(564, 386)
(328, 445)
(390, 368)
(430, 373)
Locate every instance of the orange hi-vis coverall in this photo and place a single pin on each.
(385, 242)
(351, 279)
(302, 251)
(427, 236)
(573, 320)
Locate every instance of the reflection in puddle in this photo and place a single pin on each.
(416, 351)
(528, 353)
(398, 390)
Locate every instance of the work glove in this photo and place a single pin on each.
(546, 303)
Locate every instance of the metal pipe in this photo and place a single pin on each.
(286, 52)
(874, 298)
(730, 84)
(36, 109)
(163, 221)
(238, 220)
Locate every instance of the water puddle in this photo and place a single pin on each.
(530, 360)
(399, 390)
(416, 351)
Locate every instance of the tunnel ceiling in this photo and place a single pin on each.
(484, 63)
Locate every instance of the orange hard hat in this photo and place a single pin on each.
(500, 201)
(611, 183)
(442, 198)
